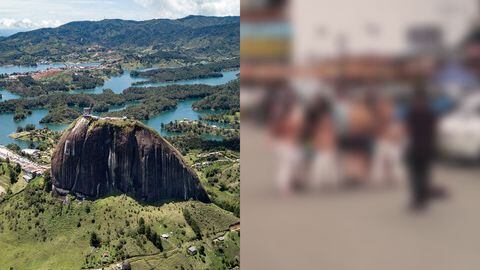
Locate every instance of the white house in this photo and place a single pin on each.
(31, 152)
(192, 250)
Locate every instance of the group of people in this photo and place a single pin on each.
(333, 141)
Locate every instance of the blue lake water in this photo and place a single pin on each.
(183, 111)
(9, 126)
(117, 84)
(6, 95)
(124, 81)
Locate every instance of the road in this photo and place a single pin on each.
(358, 229)
(26, 164)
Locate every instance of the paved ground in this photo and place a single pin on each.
(361, 229)
(26, 164)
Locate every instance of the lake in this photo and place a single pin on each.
(124, 81)
(117, 84)
(6, 95)
(9, 126)
(182, 111)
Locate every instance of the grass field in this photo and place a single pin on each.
(218, 255)
(5, 179)
(220, 176)
(39, 231)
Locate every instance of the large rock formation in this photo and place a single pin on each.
(96, 157)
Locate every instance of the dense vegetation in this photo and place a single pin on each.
(229, 120)
(11, 180)
(197, 71)
(195, 36)
(56, 101)
(59, 81)
(149, 108)
(158, 99)
(200, 128)
(62, 115)
(150, 101)
(227, 98)
(218, 165)
(43, 140)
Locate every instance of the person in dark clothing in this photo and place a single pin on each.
(421, 126)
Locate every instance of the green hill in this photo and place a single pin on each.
(39, 231)
(193, 36)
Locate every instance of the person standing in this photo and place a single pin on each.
(286, 126)
(358, 142)
(387, 165)
(324, 170)
(421, 127)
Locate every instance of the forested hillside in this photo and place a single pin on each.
(195, 37)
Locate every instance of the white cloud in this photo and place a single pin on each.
(181, 8)
(53, 13)
(145, 3)
(8, 23)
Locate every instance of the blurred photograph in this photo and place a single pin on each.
(360, 134)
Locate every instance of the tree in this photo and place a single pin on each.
(13, 177)
(18, 168)
(13, 147)
(42, 146)
(47, 184)
(141, 226)
(148, 232)
(94, 240)
(201, 250)
(192, 223)
(19, 129)
(223, 186)
(156, 241)
(151, 235)
(30, 127)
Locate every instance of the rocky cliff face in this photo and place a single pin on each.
(96, 157)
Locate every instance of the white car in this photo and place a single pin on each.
(459, 132)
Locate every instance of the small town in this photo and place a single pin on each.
(30, 168)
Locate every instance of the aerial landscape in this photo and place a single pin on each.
(120, 145)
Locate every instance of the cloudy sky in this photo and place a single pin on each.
(16, 15)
